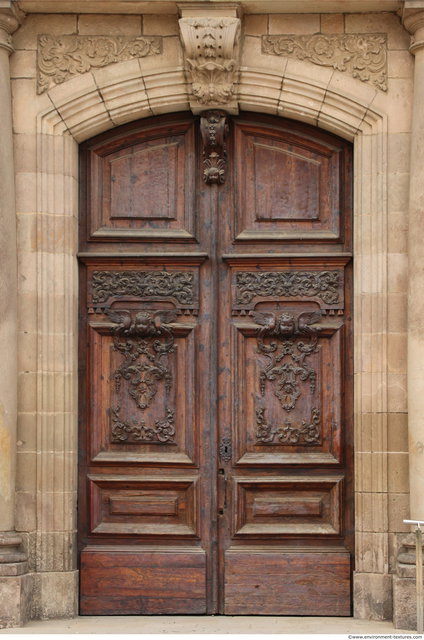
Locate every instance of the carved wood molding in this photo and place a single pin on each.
(325, 287)
(180, 287)
(60, 58)
(214, 130)
(363, 56)
(212, 60)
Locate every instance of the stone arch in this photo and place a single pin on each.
(93, 102)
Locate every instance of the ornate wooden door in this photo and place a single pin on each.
(215, 368)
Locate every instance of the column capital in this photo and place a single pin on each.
(413, 21)
(10, 19)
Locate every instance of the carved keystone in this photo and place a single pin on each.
(212, 61)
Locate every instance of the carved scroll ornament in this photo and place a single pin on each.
(306, 433)
(211, 47)
(364, 56)
(324, 285)
(145, 341)
(177, 285)
(162, 432)
(59, 58)
(214, 130)
(287, 341)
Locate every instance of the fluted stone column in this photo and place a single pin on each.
(415, 24)
(14, 583)
(404, 599)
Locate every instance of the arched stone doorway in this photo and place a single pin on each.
(79, 110)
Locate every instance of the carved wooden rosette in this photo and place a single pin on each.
(214, 130)
(212, 61)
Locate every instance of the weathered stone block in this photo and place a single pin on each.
(404, 603)
(55, 595)
(372, 596)
(15, 600)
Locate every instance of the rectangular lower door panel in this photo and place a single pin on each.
(133, 581)
(287, 583)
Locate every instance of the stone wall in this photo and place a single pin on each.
(47, 128)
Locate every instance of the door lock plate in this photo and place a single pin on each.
(225, 449)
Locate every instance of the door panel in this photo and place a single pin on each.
(314, 584)
(144, 185)
(128, 581)
(215, 370)
(288, 187)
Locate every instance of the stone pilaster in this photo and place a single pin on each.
(404, 603)
(415, 24)
(14, 583)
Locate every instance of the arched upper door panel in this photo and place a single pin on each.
(287, 182)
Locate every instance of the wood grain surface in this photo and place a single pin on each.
(216, 438)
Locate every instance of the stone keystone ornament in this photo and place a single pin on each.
(212, 61)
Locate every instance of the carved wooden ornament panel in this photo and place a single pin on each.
(287, 342)
(142, 341)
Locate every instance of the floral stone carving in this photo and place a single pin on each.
(364, 56)
(211, 47)
(60, 58)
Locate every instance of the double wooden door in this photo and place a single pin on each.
(215, 369)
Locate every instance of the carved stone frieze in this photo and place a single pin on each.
(162, 432)
(145, 341)
(287, 341)
(306, 433)
(364, 56)
(326, 286)
(214, 130)
(61, 57)
(177, 286)
(212, 65)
